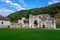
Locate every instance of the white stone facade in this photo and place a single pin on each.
(43, 20)
(38, 21)
(4, 23)
(34, 21)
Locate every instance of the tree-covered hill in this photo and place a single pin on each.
(52, 10)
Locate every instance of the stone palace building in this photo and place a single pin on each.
(34, 21)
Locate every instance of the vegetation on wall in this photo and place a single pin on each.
(57, 16)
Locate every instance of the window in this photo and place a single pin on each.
(1, 22)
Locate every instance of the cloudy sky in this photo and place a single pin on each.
(9, 6)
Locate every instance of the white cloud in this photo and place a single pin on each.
(53, 1)
(8, 1)
(50, 3)
(5, 12)
(16, 5)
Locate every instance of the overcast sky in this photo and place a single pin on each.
(9, 6)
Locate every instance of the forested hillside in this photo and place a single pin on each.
(52, 10)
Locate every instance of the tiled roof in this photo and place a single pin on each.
(4, 18)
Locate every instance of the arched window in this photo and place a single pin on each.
(1, 22)
(26, 21)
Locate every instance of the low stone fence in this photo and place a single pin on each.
(4, 26)
(15, 25)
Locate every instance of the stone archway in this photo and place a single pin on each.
(35, 23)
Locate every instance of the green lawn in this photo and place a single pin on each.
(29, 34)
(58, 25)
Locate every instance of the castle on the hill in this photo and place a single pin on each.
(35, 21)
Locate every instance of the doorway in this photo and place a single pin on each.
(35, 23)
(43, 26)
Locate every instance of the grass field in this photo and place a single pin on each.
(29, 34)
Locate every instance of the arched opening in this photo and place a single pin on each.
(26, 21)
(36, 23)
(43, 26)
